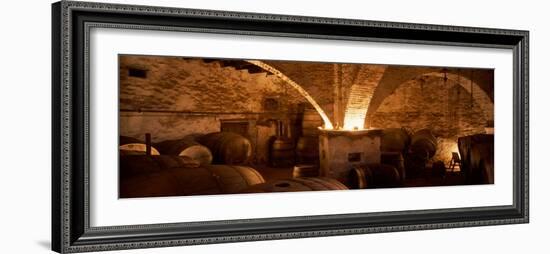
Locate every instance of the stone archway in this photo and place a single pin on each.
(471, 86)
(299, 89)
(447, 108)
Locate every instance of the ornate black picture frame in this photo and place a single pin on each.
(71, 230)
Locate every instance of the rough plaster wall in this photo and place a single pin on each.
(192, 85)
(178, 87)
(427, 102)
(165, 126)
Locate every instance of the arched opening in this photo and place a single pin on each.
(449, 105)
(473, 88)
(299, 89)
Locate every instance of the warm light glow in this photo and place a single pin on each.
(446, 147)
(354, 119)
(360, 95)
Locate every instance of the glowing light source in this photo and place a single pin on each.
(354, 119)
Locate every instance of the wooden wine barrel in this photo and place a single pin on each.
(305, 170)
(227, 147)
(477, 158)
(394, 140)
(133, 146)
(357, 178)
(131, 165)
(415, 163)
(281, 152)
(439, 169)
(297, 184)
(204, 180)
(307, 149)
(186, 147)
(394, 159)
(233, 179)
(176, 161)
(423, 142)
(374, 176)
(488, 170)
(311, 122)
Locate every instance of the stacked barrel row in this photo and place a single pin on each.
(301, 148)
(210, 164)
(403, 156)
(218, 148)
(166, 175)
(409, 154)
(184, 166)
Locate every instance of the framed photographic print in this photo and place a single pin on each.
(181, 126)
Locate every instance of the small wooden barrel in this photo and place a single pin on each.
(305, 170)
(186, 147)
(394, 140)
(395, 159)
(423, 142)
(227, 147)
(133, 146)
(415, 164)
(311, 122)
(297, 184)
(374, 176)
(281, 152)
(209, 179)
(307, 149)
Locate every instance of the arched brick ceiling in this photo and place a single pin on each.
(471, 87)
(360, 94)
(357, 84)
(297, 87)
(394, 76)
(316, 78)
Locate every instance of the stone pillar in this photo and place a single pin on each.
(340, 151)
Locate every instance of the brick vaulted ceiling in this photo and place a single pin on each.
(343, 91)
(365, 87)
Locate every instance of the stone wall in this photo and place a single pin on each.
(180, 97)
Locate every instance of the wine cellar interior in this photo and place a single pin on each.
(198, 126)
